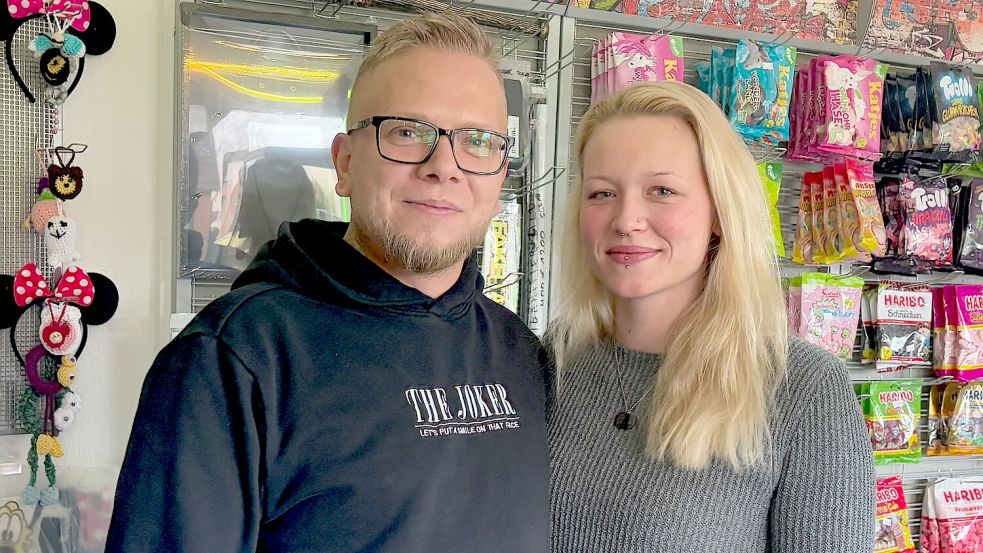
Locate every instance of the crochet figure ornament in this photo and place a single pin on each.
(48, 404)
(76, 28)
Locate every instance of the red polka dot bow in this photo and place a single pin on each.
(75, 287)
(77, 11)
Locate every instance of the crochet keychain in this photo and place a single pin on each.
(65, 179)
(48, 404)
(76, 28)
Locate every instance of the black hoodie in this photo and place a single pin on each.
(324, 406)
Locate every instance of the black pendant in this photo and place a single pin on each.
(624, 421)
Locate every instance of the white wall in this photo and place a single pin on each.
(123, 110)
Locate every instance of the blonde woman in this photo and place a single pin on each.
(684, 417)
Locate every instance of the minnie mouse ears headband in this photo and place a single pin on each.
(93, 294)
(78, 27)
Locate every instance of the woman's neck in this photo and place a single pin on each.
(643, 324)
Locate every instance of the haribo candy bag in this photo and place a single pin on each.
(965, 425)
(952, 516)
(891, 410)
(904, 326)
(891, 531)
(969, 330)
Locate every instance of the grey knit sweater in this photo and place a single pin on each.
(816, 495)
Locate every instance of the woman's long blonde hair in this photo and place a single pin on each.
(726, 354)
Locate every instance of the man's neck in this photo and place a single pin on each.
(433, 285)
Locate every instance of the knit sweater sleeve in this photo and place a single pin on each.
(825, 498)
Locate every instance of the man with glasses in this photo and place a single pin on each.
(356, 391)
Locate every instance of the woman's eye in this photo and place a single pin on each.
(599, 195)
(662, 192)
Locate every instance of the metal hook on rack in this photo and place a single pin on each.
(946, 277)
(516, 276)
(859, 271)
(566, 60)
(338, 6)
(549, 178)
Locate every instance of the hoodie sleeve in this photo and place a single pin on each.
(191, 477)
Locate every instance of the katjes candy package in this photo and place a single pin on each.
(762, 91)
(891, 530)
(891, 411)
(854, 90)
(952, 516)
(622, 59)
(771, 178)
(904, 326)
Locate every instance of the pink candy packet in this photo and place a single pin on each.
(635, 58)
(939, 333)
(853, 99)
(969, 340)
(952, 516)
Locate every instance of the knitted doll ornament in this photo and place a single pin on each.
(76, 28)
(60, 234)
(48, 404)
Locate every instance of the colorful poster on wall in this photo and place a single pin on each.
(823, 20)
(945, 29)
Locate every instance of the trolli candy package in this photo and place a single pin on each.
(904, 326)
(891, 531)
(891, 410)
(956, 132)
(928, 225)
(952, 516)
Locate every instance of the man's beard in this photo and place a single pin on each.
(420, 257)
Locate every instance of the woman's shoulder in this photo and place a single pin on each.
(810, 365)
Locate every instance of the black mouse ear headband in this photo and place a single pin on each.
(75, 28)
(80, 299)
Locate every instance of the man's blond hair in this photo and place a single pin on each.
(447, 30)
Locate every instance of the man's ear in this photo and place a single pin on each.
(341, 155)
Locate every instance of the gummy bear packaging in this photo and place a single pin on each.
(872, 237)
(956, 127)
(892, 410)
(928, 223)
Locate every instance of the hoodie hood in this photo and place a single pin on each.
(312, 257)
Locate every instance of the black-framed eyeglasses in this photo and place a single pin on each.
(412, 141)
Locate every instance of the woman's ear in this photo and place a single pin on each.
(104, 303)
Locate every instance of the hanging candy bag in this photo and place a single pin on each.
(971, 250)
(891, 530)
(952, 516)
(904, 326)
(850, 230)
(872, 237)
(956, 132)
(803, 246)
(831, 312)
(868, 316)
(965, 425)
(794, 303)
(936, 423)
(771, 178)
(835, 252)
(969, 342)
(891, 411)
(928, 224)
(939, 331)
